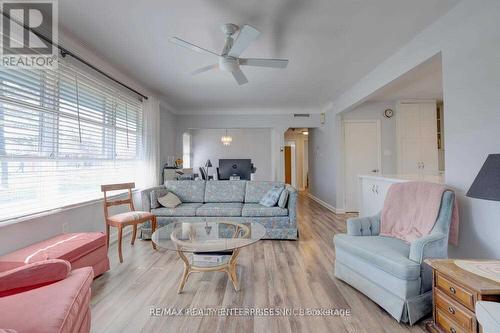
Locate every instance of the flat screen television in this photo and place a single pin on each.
(235, 167)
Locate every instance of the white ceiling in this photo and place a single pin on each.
(330, 43)
(422, 82)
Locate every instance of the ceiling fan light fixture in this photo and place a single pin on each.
(229, 59)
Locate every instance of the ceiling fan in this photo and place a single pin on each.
(229, 59)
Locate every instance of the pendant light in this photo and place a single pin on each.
(226, 139)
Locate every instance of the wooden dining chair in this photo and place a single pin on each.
(121, 220)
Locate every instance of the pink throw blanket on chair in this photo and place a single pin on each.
(411, 210)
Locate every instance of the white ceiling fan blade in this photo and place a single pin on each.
(192, 47)
(239, 77)
(204, 69)
(245, 37)
(272, 63)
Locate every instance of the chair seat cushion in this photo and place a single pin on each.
(128, 217)
(57, 307)
(220, 209)
(260, 210)
(488, 315)
(184, 209)
(70, 247)
(387, 253)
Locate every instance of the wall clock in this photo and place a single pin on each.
(388, 113)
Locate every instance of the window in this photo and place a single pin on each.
(186, 150)
(62, 135)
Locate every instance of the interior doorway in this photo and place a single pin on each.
(362, 153)
(290, 163)
(296, 158)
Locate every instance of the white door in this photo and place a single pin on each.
(362, 156)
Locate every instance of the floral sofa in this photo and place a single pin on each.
(213, 200)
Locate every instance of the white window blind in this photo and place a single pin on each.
(63, 133)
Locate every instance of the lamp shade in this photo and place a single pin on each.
(487, 183)
(208, 164)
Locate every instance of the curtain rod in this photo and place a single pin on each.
(65, 52)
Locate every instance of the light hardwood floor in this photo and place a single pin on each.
(283, 274)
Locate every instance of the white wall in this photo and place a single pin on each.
(253, 143)
(375, 110)
(167, 135)
(468, 38)
(322, 160)
(278, 123)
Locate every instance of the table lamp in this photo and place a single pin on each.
(208, 164)
(486, 186)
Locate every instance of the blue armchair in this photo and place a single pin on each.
(391, 271)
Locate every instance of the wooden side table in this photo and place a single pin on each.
(455, 292)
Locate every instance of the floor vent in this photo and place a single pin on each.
(301, 115)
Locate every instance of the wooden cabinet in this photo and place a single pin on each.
(455, 293)
(417, 138)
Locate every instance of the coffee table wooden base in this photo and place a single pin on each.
(228, 267)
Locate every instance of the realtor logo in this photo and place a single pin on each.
(29, 33)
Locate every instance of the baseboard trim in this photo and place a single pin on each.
(326, 205)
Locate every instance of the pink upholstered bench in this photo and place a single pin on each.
(59, 307)
(80, 249)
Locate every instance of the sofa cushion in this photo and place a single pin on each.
(255, 190)
(225, 191)
(220, 209)
(69, 301)
(187, 190)
(387, 253)
(185, 209)
(259, 210)
(68, 247)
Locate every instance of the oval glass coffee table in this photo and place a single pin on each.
(208, 246)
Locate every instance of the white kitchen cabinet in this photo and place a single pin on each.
(373, 192)
(417, 138)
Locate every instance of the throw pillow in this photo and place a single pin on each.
(270, 199)
(283, 198)
(155, 194)
(170, 200)
(33, 275)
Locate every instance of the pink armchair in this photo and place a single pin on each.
(44, 297)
